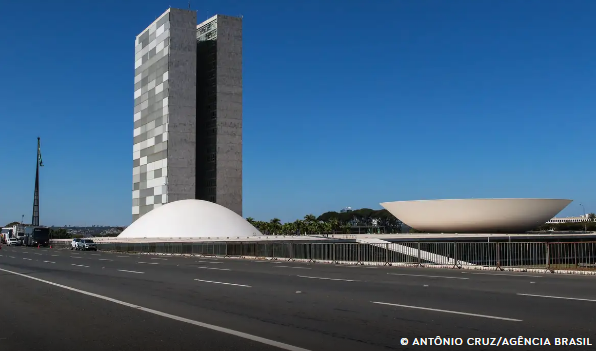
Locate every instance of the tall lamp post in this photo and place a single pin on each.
(585, 224)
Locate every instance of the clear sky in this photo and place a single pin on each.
(346, 103)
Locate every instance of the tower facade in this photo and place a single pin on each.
(164, 112)
(187, 112)
(219, 111)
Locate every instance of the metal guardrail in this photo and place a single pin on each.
(558, 256)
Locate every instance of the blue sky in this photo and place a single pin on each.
(346, 103)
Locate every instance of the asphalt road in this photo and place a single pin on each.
(63, 300)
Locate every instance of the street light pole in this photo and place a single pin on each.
(585, 224)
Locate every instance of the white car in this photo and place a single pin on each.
(13, 242)
(74, 244)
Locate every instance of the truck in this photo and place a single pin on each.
(16, 231)
(5, 234)
(19, 232)
(36, 235)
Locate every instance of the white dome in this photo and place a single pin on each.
(190, 219)
(476, 215)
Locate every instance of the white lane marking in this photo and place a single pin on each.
(79, 265)
(104, 259)
(37, 254)
(293, 267)
(214, 262)
(122, 256)
(277, 262)
(141, 262)
(152, 263)
(95, 255)
(1, 255)
(11, 256)
(28, 259)
(171, 316)
(48, 262)
(76, 257)
(508, 275)
(54, 255)
(155, 258)
(447, 311)
(210, 281)
(427, 276)
(323, 278)
(25, 252)
(558, 297)
(124, 270)
(218, 269)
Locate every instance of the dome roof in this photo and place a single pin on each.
(190, 219)
(476, 215)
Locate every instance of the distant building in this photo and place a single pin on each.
(578, 219)
(347, 209)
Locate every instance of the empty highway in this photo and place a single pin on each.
(68, 300)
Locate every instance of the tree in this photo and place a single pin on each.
(275, 225)
(333, 222)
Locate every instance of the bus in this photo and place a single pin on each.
(37, 236)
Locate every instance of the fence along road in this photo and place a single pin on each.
(564, 257)
(320, 307)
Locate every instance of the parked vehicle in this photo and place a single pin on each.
(74, 244)
(19, 231)
(16, 231)
(37, 236)
(7, 233)
(13, 242)
(87, 244)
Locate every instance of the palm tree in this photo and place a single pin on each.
(334, 225)
(300, 226)
(288, 229)
(310, 223)
(275, 225)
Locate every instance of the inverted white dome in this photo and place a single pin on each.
(476, 215)
(190, 219)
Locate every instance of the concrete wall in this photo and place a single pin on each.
(229, 113)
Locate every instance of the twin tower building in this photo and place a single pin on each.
(188, 112)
